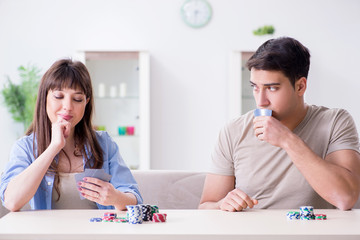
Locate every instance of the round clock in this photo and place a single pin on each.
(196, 13)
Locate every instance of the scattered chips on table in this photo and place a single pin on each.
(306, 213)
(136, 214)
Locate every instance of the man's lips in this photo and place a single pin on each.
(65, 117)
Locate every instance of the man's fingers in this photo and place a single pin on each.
(245, 198)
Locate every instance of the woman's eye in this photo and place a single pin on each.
(78, 100)
(58, 96)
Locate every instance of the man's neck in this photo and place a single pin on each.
(297, 117)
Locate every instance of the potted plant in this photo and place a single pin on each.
(20, 99)
(264, 30)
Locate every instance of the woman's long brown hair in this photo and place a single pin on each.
(66, 73)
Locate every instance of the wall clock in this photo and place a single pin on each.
(196, 13)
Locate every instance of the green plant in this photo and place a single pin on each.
(267, 29)
(20, 99)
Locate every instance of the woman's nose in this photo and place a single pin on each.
(67, 104)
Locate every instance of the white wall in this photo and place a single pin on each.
(189, 67)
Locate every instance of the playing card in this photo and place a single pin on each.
(94, 173)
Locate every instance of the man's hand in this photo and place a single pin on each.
(271, 130)
(237, 200)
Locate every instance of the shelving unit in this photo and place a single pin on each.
(121, 84)
(240, 93)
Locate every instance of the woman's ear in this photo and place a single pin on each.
(300, 86)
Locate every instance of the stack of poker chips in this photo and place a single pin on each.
(146, 212)
(109, 217)
(154, 209)
(135, 214)
(306, 213)
(159, 217)
(293, 215)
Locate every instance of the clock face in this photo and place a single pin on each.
(196, 13)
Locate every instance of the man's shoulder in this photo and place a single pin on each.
(241, 121)
(325, 112)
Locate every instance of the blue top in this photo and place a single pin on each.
(21, 157)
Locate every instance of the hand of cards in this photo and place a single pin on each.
(94, 173)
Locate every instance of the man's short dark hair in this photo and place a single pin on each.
(283, 54)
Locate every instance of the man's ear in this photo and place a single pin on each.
(300, 86)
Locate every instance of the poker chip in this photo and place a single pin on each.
(293, 215)
(159, 217)
(307, 210)
(110, 214)
(108, 218)
(303, 217)
(119, 220)
(307, 213)
(154, 209)
(146, 212)
(320, 217)
(95, 219)
(135, 214)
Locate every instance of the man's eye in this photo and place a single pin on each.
(273, 89)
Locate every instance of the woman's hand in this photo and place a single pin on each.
(99, 191)
(60, 130)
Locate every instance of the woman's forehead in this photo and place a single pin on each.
(77, 90)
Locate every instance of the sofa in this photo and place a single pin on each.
(168, 189)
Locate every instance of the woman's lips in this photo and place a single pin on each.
(66, 117)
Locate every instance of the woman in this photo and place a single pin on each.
(60, 143)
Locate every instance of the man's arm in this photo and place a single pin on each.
(219, 193)
(335, 178)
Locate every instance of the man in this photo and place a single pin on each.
(301, 155)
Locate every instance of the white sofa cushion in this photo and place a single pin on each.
(170, 189)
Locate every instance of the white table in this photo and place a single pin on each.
(181, 224)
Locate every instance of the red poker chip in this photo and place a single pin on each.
(159, 217)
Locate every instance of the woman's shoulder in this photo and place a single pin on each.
(23, 145)
(25, 140)
(103, 138)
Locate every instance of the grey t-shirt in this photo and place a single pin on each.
(266, 172)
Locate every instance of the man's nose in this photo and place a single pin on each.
(263, 100)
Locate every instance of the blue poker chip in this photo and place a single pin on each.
(292, 215)
(95, 219)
